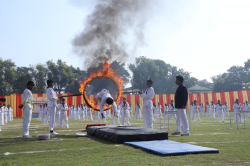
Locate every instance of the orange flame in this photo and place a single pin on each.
(108, 73)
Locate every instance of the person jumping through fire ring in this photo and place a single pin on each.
(104, 97)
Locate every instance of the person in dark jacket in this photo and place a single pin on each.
(181, 98)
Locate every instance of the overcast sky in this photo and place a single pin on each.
(204, 37)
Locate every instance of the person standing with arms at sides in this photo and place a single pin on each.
(225, 108)
(208, 109)
(212, 110)
(158, 107)
(147, 96)
(96, 113)
(219, 111)
(192, 110)
(202, 108)
(138, 111)
(171, 107)
(41, 112)
(52, 104)
(166, 110)
(246, 107)
(27, 106)
(125, 111)
(181, 98)
(130, 111)
(10, 113)
(89, 112)
(195, 110)
(5, 113)
(153, 112)
(237, 107)
(63, 108)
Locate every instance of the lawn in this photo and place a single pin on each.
(67, 149)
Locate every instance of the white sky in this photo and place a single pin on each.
(204, 37)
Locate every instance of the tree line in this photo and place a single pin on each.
(66, 78)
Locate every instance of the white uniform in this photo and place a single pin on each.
(10, 115)
(81, 113)
(208, 110)
(89, 113)
(44, 115)
(52, 104)
(147, 96)
(2, 116)
(130, 112)
(246, 107)
(165, 111)
(196, 111)
(46, 109)
(202, 109)
(157, 112)
(6, 114)
(212, 111)
(40, 113)
(138, 111)
(96, 115)
(75, 113)
(171, 108)
(225, 109)
(63, 115)
(100, 117)
(219, 110)
(118, 116)
(27, 110)
(237, 108)
(103, 96)
(108, 113)
(125, 112)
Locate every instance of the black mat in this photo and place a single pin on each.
(121, 134)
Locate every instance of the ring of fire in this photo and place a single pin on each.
(108, 73)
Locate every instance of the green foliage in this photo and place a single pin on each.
(161, 73)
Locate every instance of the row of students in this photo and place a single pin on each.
(80, 112)
(6, 114)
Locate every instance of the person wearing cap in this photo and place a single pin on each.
(181, 99)
(63, 108)
(147, 96)
(104, 97)
(52, 104)
(27, 106)
(125, 111)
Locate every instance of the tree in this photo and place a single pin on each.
(205, 83)
(23, 74)
(7, 76)
(162, 74)
(39, 75)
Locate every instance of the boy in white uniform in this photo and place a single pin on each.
(195, 110)
(138, 111)
(171, 107)
(105, 97)
(130, 111)
(125, 111)
(89, 112)
(202, 108)
(237, 107)
(52, 104)
(147, 96)
(212, 110)
(158, 111)
(246, 107)
(27, 106)
(10, 115)
(95, 113)
(5, 114)
(219, 110)
(166, 110)
(1, 119)
(225, 109)
(116, 117)
(208, 109)
(80, 112)
(63, 108)
(75, 112)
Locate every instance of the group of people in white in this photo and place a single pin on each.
(6, 114)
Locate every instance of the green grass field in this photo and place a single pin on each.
(67, 149)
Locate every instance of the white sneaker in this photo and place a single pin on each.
(26, 136)
(54, 133)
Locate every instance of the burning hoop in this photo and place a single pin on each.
(106, 72)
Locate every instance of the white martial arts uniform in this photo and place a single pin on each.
(208, 110)
(63, 115)
(52, 104)
(225, 110)
(237, 108)
(118, 116)
(6, 114)
(246, 107)
(81, 113)
(95, 115)
(27, 110)
(41, 113)
(89, 113)
(172, 108)
(100, 117)
(125, 112)
(202, 109)
(103, 96)
(44, 114)
(219, 110)
(195, 109)
(47, 114)
(165, 111)
(10, 115)
(138, 111)
(157, 112)
(212, 111)
(130, 112)
(75, 112)
(108, 113)
(2, 116)
(147, 96)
